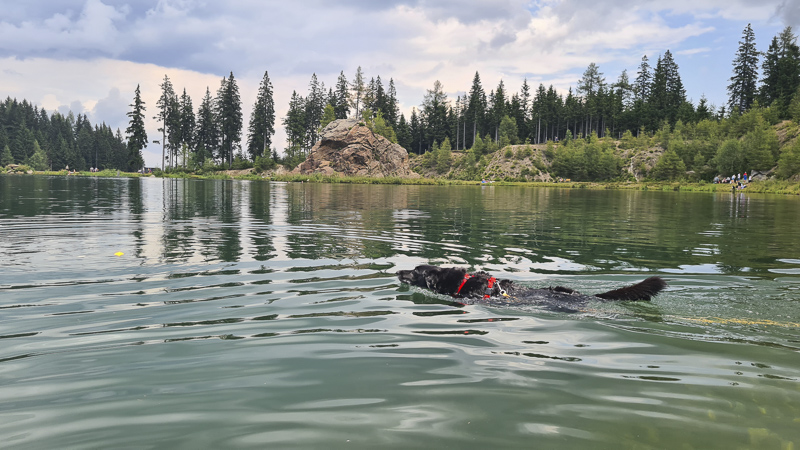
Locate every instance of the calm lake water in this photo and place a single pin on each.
(267, 315)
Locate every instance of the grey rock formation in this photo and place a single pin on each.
(347, 148)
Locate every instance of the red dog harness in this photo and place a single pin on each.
(486, 294)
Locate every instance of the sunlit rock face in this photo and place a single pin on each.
(347, 148)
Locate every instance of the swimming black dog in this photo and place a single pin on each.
(482, 288)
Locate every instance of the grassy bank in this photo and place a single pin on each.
(761, 187)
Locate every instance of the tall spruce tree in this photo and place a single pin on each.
(416, 129)
(164, 105)
(229, 117)
(295, 124)
(476, 110)
(781, 70)
(667, 94)
(341, 107)
(136, 133)
(743, 87)
(188, 122)
(357, 91)
(434, 114)
(525, 105)
(206, 136)
(368, 101)
(497, 109)
(174, 127)
(262, 121)
(391, 104)
(315, 108)
(588, 87)
(380, 97)
(644, 79)
(404, 133)
(642, 86)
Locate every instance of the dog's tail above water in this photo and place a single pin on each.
(644, 290)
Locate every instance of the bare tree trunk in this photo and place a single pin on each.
(539, 131)
(457, 135)
(163, 147)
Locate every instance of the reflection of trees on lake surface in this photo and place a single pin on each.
(539, 229)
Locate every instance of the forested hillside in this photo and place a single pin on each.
(641, 125)
(32, 136)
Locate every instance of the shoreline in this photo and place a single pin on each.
(756, 187)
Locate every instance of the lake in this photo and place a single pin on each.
(173, 313)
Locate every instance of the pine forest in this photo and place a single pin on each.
(588, 133)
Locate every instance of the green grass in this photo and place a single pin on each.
(761, 187)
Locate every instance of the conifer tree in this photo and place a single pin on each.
(443, 156)
(38, 160)
(136, 133)
(404, 133)
(434, 113)
(206, 131)
(742, 89)
(641, 94)
(508, 131)
(3, 135)
(262, 121)
(295, 123)
(667, 94)
(417, 129)
(497, 109)
(357, 91)
(188, 122)
(229, 117)
(327, 117)
(341, 107)
(391, 108)
(525, 105)
(6, 158)
(174, 128)
(164, 104)
(644, 78)
(370, 95)
(314, 109)
(476, 109)
(781, 71)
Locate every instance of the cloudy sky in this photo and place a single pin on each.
(88, 55)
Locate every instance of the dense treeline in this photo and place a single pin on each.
(307, 115)
(29, 135)
(650, 110)
(213, 134)
(601, 127)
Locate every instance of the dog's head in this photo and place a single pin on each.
(416, 276)
(444, 280)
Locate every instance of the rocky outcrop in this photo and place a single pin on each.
(347, 148)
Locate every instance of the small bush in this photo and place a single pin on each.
(264, 163)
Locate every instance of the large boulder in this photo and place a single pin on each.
(347, 148)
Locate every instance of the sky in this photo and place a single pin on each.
(88, 56)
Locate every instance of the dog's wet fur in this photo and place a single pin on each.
(446, 280)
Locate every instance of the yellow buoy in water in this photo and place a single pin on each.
(118, 254)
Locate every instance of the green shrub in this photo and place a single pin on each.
(264, 163)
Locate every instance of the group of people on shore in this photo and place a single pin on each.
(737, 180)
